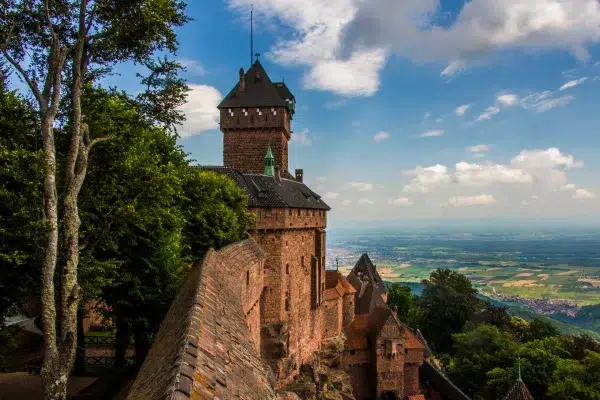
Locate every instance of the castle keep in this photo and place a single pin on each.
(252, 316)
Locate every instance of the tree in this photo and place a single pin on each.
(400, 299)
(448, 301)
(477, 352)
(574, 380)
(38, 39)
(540, 329)
(22, 227)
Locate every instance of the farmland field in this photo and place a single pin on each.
(553, 265)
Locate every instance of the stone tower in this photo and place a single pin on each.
(255, 114)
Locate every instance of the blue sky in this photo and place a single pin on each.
(379, 84)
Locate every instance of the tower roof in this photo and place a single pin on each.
(518, 391)
(365, 268)
(259, 91)
(269, 154)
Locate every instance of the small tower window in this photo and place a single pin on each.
(299, 212)
(302, 260)
(290, 212)
(247, 278)
(287, 269)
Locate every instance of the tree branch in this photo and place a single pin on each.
(98, 140)
(48, 20)
(32, 83)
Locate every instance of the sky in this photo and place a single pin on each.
(419, 109)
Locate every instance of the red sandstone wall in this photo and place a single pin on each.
(246, 136)
(289, 218)
(332, 317)
(348, 310)
(411, 379)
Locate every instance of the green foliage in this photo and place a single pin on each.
(476, 353)
(401, 300)
(540, 329)
(22, 228)
(577, 380)
(448, 301)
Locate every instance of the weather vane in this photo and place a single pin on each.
(256, 55)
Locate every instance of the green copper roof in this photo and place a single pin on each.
(269, 163)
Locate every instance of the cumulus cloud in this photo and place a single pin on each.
(200, 110)
(402, 201)
(346, 202)
(568, 186)
(321, 178)
(583, 194)
(432, 133)
(572, 83)
(381, 136)
(461, 110)
(528, 167)
(365, 201)
(345, 43)
(463, 201)
(508, 99)
(331, 195)
(480, 148)
(360, 186)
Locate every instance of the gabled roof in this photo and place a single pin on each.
(259, 91)
(265, 192)
(364, 268)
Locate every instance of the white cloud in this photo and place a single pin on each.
(543, 101)
(461, 110)
(193, 67)
(583, 194)
(331, 195)
(572, 83)
(365, 201)
(524, 203)
(200, 110)
(463, 201)
(480, 148)
(508, 99)
(439, 120)
(432, 133)
(344, 43)
(358, 76)
(381, 136)
(455, 67)
(427, 178)
(545, 159)
(478, 155)
(320, 188)
(355, 123)
(360, 186)
(427, 115)
(402, 201)
(321, 178)
(568, 186)
(540, 166)
(488, 113)
(346, 202)
(302, 137)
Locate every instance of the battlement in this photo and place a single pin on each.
(253, 118)
(289, 218)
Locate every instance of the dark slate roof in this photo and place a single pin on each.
(427, 351)
(518, 391)
(447, 390)
(259, 91)
(364, 267)
(264, 191)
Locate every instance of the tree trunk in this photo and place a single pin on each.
(53, 379)
(141, 343)
(121, 341)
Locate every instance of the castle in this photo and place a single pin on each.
(251, 314)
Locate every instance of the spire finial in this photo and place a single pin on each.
(519, 369)
(269, 162)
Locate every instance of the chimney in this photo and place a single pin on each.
(278, 175)
(242, 84)
(299, 175)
